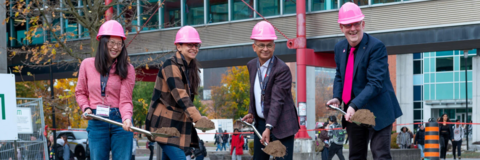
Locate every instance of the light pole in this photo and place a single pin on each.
(465, 56)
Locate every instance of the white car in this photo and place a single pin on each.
(77, 142)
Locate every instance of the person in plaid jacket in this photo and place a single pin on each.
(172, 101)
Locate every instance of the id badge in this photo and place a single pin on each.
(103, 110)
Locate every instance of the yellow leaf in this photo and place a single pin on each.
(53, 14)
(23, 23)
(14, 53)
(126, 34)
(64, 16)
(81, 47)
(29, 74)
(129, 7)
(146, 66)
(56, 45)
(16, 14)
(146, 49)
(75, 74)
(54, 51)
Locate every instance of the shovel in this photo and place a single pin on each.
(132, 127)
(278, 151)
(356, 122)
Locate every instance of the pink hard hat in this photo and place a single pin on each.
(111, 28)
(187, 34)
(263, 31)
(350, 13)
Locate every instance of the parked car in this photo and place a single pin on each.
(77, 141)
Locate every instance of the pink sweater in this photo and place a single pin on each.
(118, 93)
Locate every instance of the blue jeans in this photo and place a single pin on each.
(200, 157)
(172, 152)
(223, 146)
(104, 137)
(421, 149)
(219, 147)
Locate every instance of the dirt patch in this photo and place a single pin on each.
(171, 131)
(204, 124)
(364, 116)
(319, 146)
(275, 149)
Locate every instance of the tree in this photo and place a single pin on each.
(142, 95)
(232, 99)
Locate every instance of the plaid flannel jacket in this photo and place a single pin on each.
(172, 105)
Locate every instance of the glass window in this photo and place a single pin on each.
(147, 8)
(194, 12)
(240, 10)
(444, 91)
(290, 6)
(417, 114)
(417, 105)
(358, 2)
(218, 10)
(417, 55)
(384, 1)
(444, 53)
(171, 14)
(444, 64)
(469, 63)
(417, 93)
(268, 7)
(70, 26)
(324, 5)
(417, 67)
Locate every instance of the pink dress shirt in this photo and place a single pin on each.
(118, 93)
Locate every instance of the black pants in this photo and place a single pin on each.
(151, 151)
(360, 135)
(133, 157)
(335, 149)
(457, 146)
(258, 154)
(444, 137)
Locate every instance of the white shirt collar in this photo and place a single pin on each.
(267, 62)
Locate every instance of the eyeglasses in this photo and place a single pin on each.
(112, 44)
(352, 24)
(262, 46)
(191, 45)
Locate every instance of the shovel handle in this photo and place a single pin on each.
(336, 108)
(255, 130)
(117, 123)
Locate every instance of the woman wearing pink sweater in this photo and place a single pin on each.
(104, 88)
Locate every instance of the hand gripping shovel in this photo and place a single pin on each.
(132, 127)
(275, 149)
(362, 116)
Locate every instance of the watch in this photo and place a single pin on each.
(269, 126)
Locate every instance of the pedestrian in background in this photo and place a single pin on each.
(404, 138)
(458, 133)
(446, 134)
(420, 139)
(236, 149)
(151, 146)
(323, 136)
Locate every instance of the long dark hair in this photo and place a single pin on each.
(102, 57)
(441, 118)
(193, 73)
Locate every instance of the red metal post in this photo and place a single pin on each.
(109, 12)
(300, 43)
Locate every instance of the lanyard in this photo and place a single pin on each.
(103, 82)
(263, 84)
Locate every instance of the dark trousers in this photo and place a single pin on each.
(151, 151)
(336, 149)
(444, 137)
(133, 157)
(258, 154)
(325, 153)
(360, 135)
(457, 146)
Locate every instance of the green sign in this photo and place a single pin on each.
(2, 103)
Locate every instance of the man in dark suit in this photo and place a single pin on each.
(362, 81)
(271, 102)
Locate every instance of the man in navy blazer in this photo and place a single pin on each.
(362, 81)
